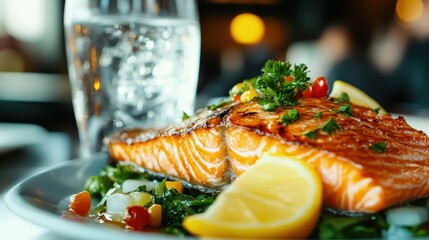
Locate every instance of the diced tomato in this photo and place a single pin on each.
(137, 217)
(288, 78)
(319, 88)
(80, 203)
(308, 92)
(237, 98)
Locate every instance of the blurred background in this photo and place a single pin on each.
(380, 46)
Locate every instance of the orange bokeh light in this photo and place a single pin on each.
(409, 10)
(247, 28)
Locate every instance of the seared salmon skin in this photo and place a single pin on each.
(367, 161)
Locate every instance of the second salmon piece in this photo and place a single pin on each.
(212, 148)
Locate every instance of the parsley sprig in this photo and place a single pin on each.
(274, 91)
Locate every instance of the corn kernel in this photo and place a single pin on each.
(236, 89)
(248, 95)
(155, 213)
(174, 184)
(140, 198)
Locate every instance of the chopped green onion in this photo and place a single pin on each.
(343, 98)
(290, 117)
(329, 127)
(346, 109)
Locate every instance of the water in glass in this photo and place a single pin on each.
(129, 73)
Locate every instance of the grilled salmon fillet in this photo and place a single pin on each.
(213, 147)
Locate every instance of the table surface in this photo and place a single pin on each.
(18, 164)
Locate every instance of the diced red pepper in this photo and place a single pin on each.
(80, 203)
(237, 98)
(137, 217)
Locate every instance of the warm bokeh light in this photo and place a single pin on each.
(11, 61)
(97, 84)
(94, 59)
(247, 28)
(409, 10)
(24, 19)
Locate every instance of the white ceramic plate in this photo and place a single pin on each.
(17, 135)
(43, 198)
(419, 123)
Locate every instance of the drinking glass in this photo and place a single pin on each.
(132, 63)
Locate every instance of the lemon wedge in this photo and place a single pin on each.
(356, 95)
(278, 197)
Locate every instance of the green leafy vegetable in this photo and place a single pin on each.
(291, 116)
(337, 227)
(274, 90)
(379, 147)
(176, 206)
(346, 109)
(420, 230)
(98, 185)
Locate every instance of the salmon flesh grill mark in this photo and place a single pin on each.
(213, 147)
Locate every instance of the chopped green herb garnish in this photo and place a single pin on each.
(346, 109)
(318, 115)
(274, 90)
(343, 98)
(329, 127)
(379, 147)
(185, 116)
(176, 206)
(221, 103)
(291, 116)
(377, 110)
(312, 134)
